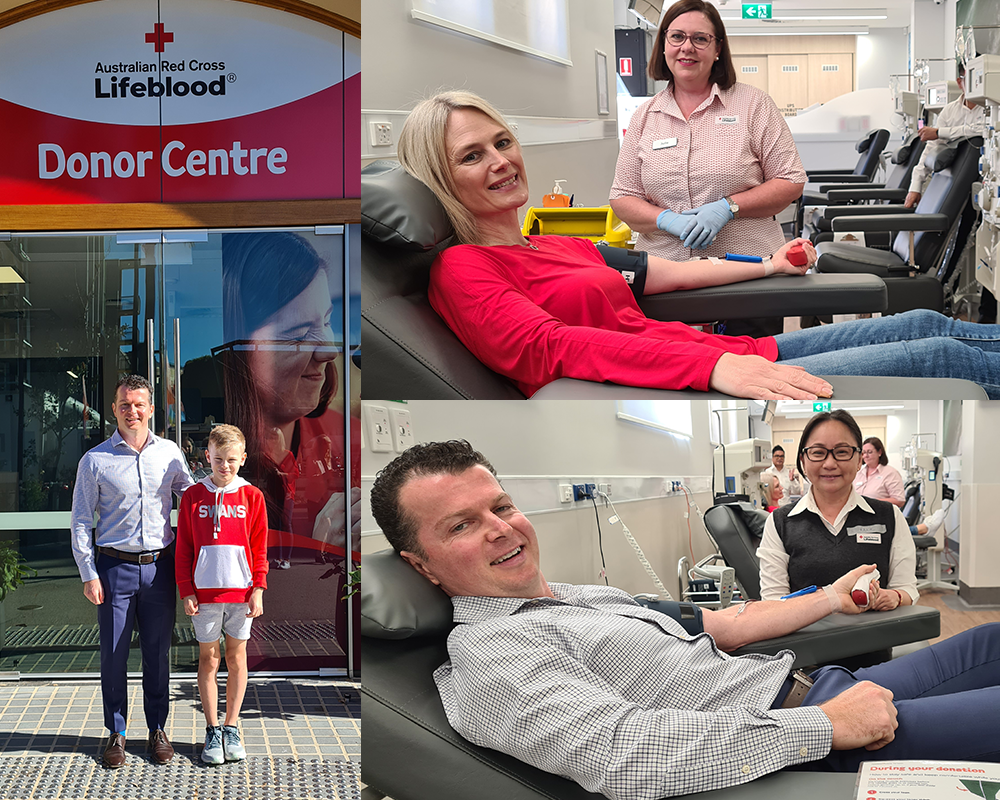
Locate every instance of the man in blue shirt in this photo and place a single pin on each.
(128, 567)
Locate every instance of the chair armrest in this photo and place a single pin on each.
(867, 193)
(840, 186)
(840, 636)
(894, 222)
(834, 177)
(864, 211)
(845, 387)
(776, 296)
(838, 172)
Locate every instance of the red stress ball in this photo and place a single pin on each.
(797, 256)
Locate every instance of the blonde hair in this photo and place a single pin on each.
(226, 436)
(422, 152)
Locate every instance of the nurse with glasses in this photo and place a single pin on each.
(832, 526)
(707, 162)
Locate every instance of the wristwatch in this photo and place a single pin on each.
(733, 207)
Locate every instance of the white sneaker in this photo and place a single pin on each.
(213, 752)
(231, 744)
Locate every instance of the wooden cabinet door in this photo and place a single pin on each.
(830, 76)
(788, 83)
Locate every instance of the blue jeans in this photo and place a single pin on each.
(917, 344)
(946, 698)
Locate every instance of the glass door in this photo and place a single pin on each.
(259, 318)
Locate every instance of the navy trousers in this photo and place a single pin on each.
(947, 697)
(145, 593)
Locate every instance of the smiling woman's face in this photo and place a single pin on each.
(291, 370)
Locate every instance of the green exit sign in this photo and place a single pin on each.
(824, 406)
(756, 11)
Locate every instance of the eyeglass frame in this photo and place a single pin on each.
(829, 451)
(687, 36)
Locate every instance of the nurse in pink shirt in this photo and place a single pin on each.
(876, 478)
(707, 162)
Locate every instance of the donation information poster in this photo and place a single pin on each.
(176, 101)
(928, 780)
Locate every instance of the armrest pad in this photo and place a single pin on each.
(776, 296)
(841, 636)
(838, 172)
(834, 177)
(864, 211)
(841, 186)
(873, 193)
(894, 222)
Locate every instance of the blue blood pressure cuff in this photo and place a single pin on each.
(631, 264)
(687, 614)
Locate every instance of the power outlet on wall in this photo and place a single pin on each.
(381, 133)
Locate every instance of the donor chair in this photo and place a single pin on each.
(412, 753)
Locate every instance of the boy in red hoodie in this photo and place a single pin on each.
(221, 563)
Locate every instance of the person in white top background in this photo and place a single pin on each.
(792, 483)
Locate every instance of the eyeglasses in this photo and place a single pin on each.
(843, 453)
(699, 40)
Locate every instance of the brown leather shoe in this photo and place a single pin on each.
(159, 747)
(114, 751)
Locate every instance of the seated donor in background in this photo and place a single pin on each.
(583, 682)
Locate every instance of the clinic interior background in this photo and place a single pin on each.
(555, 105)
(537, 447)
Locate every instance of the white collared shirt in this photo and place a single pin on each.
(774, 560)
(800, 483)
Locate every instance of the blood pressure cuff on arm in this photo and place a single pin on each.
(631, 264)
(687, 614)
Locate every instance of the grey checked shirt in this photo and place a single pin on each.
(131, 492)
(617, 697)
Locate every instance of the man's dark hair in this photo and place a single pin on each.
(875, 442)
(132, 383)
(434, 458)
(777, 448)
(837, 416)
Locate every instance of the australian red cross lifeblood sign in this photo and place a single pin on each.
(177, 101)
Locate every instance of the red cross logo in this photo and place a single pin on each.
(158, 37)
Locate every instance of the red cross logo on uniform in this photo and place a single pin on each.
(159, 37)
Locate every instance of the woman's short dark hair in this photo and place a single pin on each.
(827, 416)
(434, 458)
(875, 442)
(723, 70)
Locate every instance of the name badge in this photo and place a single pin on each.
(867, 534)
(869, 538)
(660, 144)
(734, 120)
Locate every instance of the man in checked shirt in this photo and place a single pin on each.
(129, 481)
(583, 682)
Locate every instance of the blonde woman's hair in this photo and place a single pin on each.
(226, 436)
(422, 152)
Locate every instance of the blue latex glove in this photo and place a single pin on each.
(710, 219)
(677, 224)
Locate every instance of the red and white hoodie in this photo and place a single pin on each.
(221, 551)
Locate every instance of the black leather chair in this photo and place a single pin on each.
(412, 753)
(410, 352)
(904, 158)
(922, 237)
(869, 147)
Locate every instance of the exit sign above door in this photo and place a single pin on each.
(756, 11)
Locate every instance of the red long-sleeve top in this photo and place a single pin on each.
(559, 311)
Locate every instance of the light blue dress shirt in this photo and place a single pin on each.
(131, 492)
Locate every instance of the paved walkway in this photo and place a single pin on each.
(302, 736)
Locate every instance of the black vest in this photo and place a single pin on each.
(816, 557)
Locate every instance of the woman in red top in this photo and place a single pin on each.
(546, 307)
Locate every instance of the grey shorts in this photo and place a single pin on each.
(214, 619)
